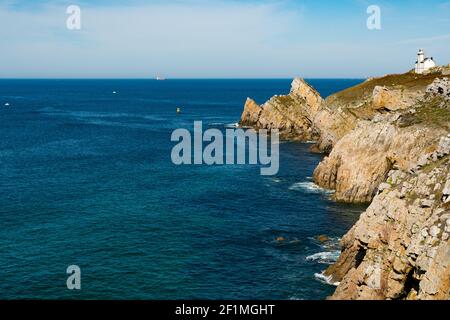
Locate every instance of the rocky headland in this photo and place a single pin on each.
(293, 114)
(387, 143)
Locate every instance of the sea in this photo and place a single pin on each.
(86, 179)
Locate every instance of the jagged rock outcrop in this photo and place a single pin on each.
(440, 87)
(292, 114)
(251, 114)
(399, 248)
(304, 115)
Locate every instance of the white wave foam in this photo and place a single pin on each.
(274, 180)
(327, 257)
(325, 279)
(225, 125)
(309, 187)
(232, 125)
(334, 244)
(330, 244)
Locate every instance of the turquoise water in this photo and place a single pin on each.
(86, 179)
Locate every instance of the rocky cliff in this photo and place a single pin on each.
(400, 247)
(361, 159)
(387, 142)
(365, 101)
(292, 114)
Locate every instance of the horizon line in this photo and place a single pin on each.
(169, 79)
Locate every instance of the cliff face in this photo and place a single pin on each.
(367, 100)
(292, 114)
(388, 142)
(361, 159)
(368, 129)
(400, 247)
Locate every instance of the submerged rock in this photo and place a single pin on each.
(322, 238)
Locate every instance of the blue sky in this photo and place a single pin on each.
(219, 39)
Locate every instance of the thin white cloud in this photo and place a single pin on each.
(198, 38)
(425, 40)
(172, 39)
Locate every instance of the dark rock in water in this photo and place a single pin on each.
(315, 148)
(322, 238)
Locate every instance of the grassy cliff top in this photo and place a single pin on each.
(430, 113)
(408, 81)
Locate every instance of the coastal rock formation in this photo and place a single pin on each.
(360, 160)
(400, 247)
(440, 87)
(388, 143)
(292, 114)
(392, 99)
(343, 110)
(251, 114)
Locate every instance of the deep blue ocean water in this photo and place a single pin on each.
(86, 179)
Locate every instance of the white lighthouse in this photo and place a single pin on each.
(423, 64)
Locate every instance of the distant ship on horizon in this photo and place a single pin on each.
(158, 78)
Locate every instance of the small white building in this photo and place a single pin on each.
(422, 63)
